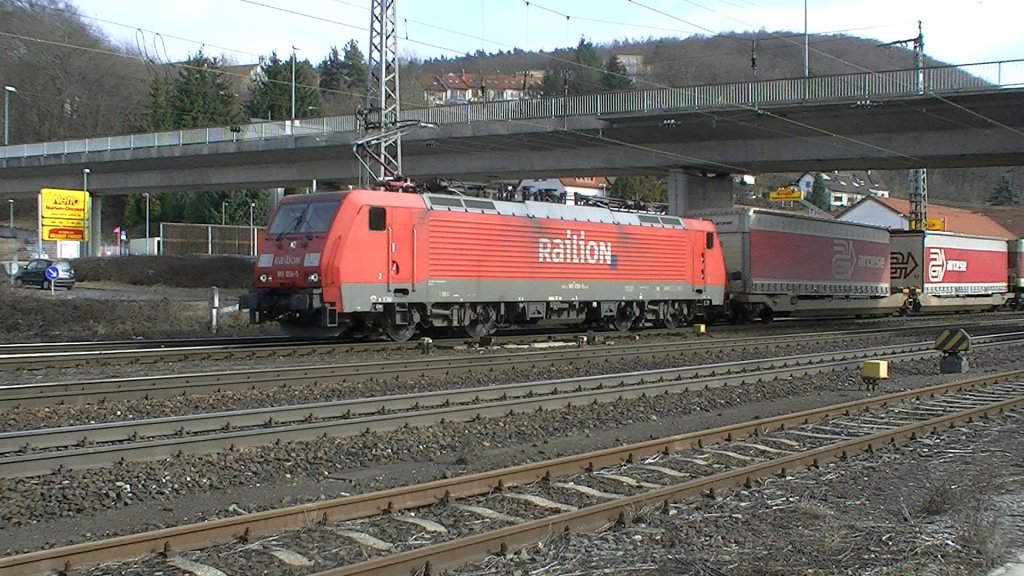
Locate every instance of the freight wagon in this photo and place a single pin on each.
(363, 260)
(944, 272)
(1015, 250)
(786, 264)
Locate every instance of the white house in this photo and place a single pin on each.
(563, 189)
(846, 188)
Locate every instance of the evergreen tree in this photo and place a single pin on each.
(820, 196)
(615, 77)
(331, 71)
(200, 97)
(639, 188)
(585, 77)
(343, 80)
(272, 91)
(553, 83)
(161, 116)
(197, 97)
(1005, 193)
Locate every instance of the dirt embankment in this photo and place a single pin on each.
(170, 271)
(150, 297)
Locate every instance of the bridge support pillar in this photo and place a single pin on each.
(688, 193)
(95, 242)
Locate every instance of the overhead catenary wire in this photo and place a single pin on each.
(413, 40)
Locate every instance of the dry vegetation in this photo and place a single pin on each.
(129, 298)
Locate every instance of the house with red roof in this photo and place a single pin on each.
(892, 213)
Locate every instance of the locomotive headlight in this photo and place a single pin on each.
(264, 278)
(313, 277)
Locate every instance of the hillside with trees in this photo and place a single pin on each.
(75, 82)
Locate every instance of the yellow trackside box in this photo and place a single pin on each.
(875, 370)
(699, 329)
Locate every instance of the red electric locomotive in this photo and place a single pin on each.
(367, 260)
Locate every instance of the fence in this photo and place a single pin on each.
(208, 239)
(932, 81)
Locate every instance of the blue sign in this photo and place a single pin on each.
(52, 273)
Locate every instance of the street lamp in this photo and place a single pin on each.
(8, 90)
(10, 201)
(85, 179)
(293, 83)
(252, 230)
(146, 194)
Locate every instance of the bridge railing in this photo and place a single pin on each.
(938, 80)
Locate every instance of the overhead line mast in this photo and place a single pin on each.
(918, 197)
(380, 148)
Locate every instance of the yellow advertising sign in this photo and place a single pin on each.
(64, 204)
(64, 223)
(786, 195)
(70, 234)
(935, 224)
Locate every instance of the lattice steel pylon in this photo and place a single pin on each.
(380, 148)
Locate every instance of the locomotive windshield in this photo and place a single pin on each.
(304, 218)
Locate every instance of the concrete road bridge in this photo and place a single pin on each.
(949, 116)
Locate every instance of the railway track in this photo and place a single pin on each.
(39, 452)
(447, 523)
(43, 356)
(166, 386)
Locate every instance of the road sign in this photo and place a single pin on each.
(52, 273)
(952, 341)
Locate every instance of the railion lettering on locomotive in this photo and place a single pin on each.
(574, 249)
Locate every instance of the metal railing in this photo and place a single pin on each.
(938, 80)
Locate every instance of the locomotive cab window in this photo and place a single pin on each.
(378, 218)
(709, 240)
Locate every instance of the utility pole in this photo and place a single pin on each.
(918, 217)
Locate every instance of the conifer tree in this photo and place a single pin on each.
(616, 77)
(272, 91)
(1005, 193)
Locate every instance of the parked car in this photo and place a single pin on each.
(34, 274)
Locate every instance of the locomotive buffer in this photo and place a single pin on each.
(951, 343)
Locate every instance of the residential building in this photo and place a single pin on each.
(563, 189)
(892, 213)
(461, 87)
(846, 188)
(633, 63)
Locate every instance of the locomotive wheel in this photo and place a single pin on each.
(400, 332)
(484, 324)
(673, 315)
(625, 316)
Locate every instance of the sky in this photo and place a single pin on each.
(955, 31)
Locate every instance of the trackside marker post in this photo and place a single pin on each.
(214, 306)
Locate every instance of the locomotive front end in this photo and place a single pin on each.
(288, 278)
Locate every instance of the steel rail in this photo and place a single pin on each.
(164, 386)
(457, 552)
(77, 354)
(204, 434)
